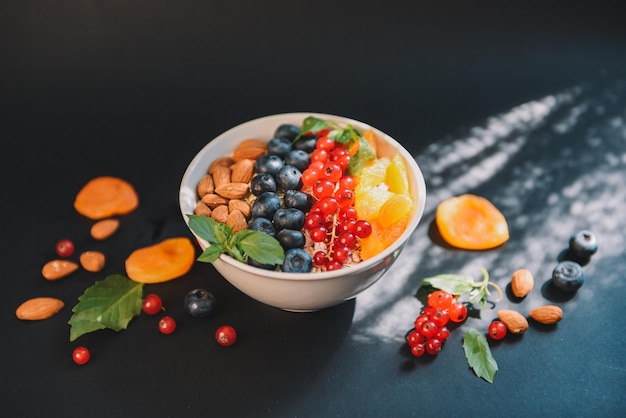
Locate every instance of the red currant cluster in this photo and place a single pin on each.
(332, 219)
(430, 332)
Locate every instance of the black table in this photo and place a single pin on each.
(523, 105)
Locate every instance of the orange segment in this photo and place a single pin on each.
(471, 222)
(396, 176)
(372, 192)
(161, 262)
(394, 209)
(382, 237)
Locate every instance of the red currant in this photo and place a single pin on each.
(309, 177)
(332, 171)
(347, 212)
(420, 320)
(226, 335)
(323, 188)
(347, 239)
(363, 228)
(428, 329)
(81, 355)
(348, 182)
(328, 205)
(318, 234)
(152, 304)
(497, 330)
(345, 197)
(440, 317)
(443, 334)
(440, 299)
(325, 143)
(457, 312)
(167, 325)
(433, 346)
(319, 155)
(418, 350)
(333, 265)
(64, 248)
(320, 259)
(341, 254)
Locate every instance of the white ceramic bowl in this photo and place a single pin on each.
(300, 291)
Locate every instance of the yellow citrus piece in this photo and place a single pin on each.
(161, 262)
(471, 222)
(396, 176)
(372, 191)
(394, 209)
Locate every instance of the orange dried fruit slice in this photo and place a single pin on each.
(161, 262)
(106, 196)
(471, 222)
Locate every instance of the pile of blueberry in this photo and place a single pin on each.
(278, 173)
(568, 275)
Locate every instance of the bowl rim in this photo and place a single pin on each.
(324, 275)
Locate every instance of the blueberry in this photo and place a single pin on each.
(583, 244)
(200, 302)
(287, 130)
(261, 183)
(268, 163)
(265, 205)
(568, 276)
(298, 158)
(290, 238)
(263, 225)
(306, 143)
(298, 200)
(289, 177)
(297, 261)
(288, 218)
(254, 263)
(279, 146)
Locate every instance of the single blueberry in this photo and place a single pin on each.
(297, 261)
(290, 238)
(298, 158)
(263, 182)
(279, 146)
(583, 244)
(306, 143)
(254, 263)
(268, 163)
(288, 218)
(263, 225)
(287, 130)
(568, 276)
(289, 177)
(200, 302)
(298, 200)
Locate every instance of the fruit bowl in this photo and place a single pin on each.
(301, 292)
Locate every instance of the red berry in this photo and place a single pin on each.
(167, 325)
(428, 329)
(457, 312)
(420, 320)
(226, 335)
(323, 188)
(333, 265)
(348, 182)
(325, 143)
(418, 350)
(439, 317)
(319, 155)
(433, 346)
(320, 259)
(64, 248)
(309, 177)
(152, 304)
(347, 239)
(363, 229)
(497, 330)
(81, 355)
(319, 234)
(440, 299)
(347, 212)
(332, 171)
(328, 205)
(443, 334)
(345, 197)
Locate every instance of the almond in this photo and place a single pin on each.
(212, 200)
(220, 162)
(515, 322)
(92, 261)
(252, 143)
(205, 185)
(242, 171)
(248, 153)
(103, 229)
(39, 308)
(202, 209)
(522, 283)
(220, 213)
(240, 205)
(221, 176)
(233, 190)
(56, 269)
(547, 314)
(236, 221)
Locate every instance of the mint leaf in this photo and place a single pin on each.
(110, 303)
(456, 284)
(260, 246)
(211, 253)
(347, 136)
(204, 227)
(312, 124)
(479, 356)
(364, 155)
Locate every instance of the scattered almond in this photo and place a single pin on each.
(220, 162)
(522, 283)
(202, 209)
(236, 221)
(92, 261)
(56, 269)
(242, 171)
(233, 190)
(205, 185)
(240, 205)
(39, 308)
(515, 322)
(212, 200)
(103, 229)
(547, 314)
(221, 176)
(220, 213)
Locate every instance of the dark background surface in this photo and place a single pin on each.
(135, 88)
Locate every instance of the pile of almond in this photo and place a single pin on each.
(224, 190)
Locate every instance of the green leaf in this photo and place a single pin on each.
(211, 253)
(204, 227)
(457, 284)
(364, 155)
(347, 136)
(260, 246)
(313, 124)
(110, 303)
(479, 356)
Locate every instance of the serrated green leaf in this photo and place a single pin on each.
(260, 246)
(364, 155)
(204, 227)
(347, 136)
(211, 253)
(479, 356)
(110, 303)
(457, 284)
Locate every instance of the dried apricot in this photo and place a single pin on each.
(471, 222)
(106, 196)
(161, 262)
